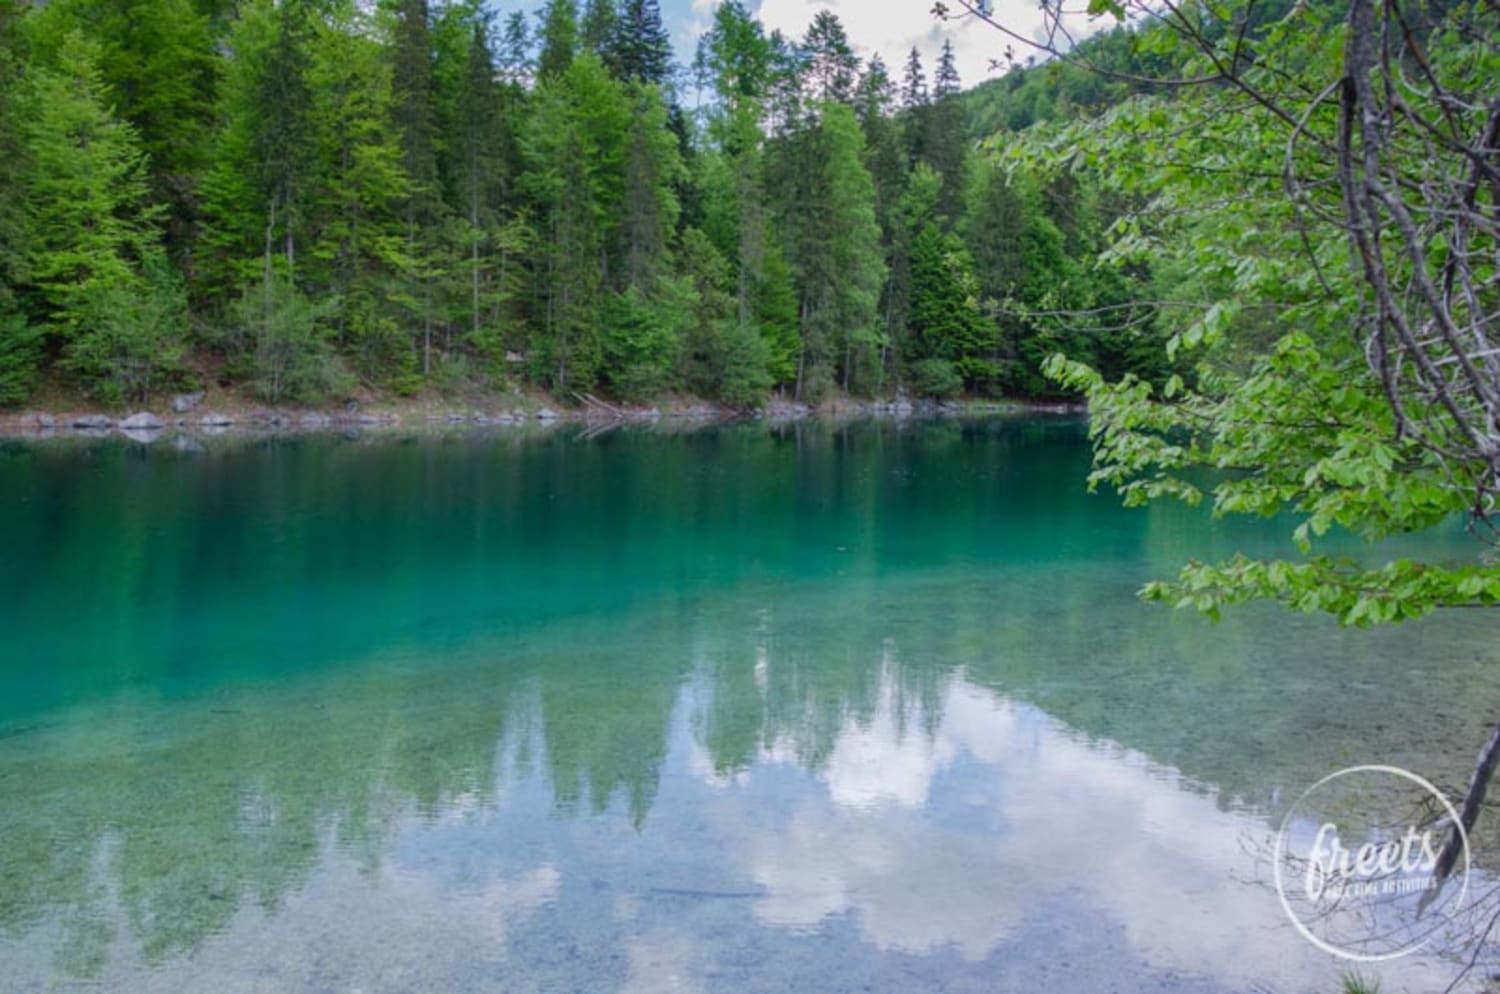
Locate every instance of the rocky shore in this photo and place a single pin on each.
(193, 414)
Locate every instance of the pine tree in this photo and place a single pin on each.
(600, 23)
(946, 83)
(480, 160)
(784, 97)
(359, 193)
(944, 144)
(157, 60)
(831, 63)
(642, 50)
(416, 120)
(515, 50)
(20, 341)
(575, 153)
(86, 189)
(653, 167)
(946, 325)
(914, 210)
(253, 190)
(875, 99)
(837, 256)
(738, 56)
(917, 104)
(281, 132)
(559, 38)
(96, 254)
(914, 83)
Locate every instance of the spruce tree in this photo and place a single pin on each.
(916, 102)
(281, 132)
(600, 23)
(515, 50)
(86, 190)
(837, 256)
(946, 83)
(19, 340)
(416, 120)
(831, 63)
(914, 83)
(944, 319)
(944, 144)
(480, 160)
(559, 38)
(360, 192)
(642, 51)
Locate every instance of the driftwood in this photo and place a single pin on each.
(1468, 813)
(595, 404)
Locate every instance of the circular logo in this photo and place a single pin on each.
(1356, 863)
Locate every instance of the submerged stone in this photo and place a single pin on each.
(142, 421)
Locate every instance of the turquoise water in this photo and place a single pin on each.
(805, 709)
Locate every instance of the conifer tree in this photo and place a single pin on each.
(600, 24)
(360, 192)
(515, 50)
(559, 38)
(831, 66)
(19, 339)
(86, 190)
(416, 120)
(944, 144)
(914, 83)
(642, 50)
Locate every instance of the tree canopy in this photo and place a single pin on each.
(429, 196)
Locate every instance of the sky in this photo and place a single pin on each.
(890, 27)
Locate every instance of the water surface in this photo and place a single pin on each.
(752, 709)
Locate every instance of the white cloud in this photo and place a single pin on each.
(894, 27)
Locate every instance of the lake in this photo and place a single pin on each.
(810, 708)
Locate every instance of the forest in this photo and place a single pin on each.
(307, 199)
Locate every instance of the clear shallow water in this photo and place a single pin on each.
(805, 710)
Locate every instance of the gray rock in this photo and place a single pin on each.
(142, 421)
(547, 414)
(314, 419)
(782, 410)
(213, 419)
(42, 420)
(185, 402)
(94, 422)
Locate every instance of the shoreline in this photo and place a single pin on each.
(201, 418)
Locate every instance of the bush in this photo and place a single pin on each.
(130, 333)
(745, 360)
(20, 353)
(290, 357)
(937, 378)
(642, 343)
